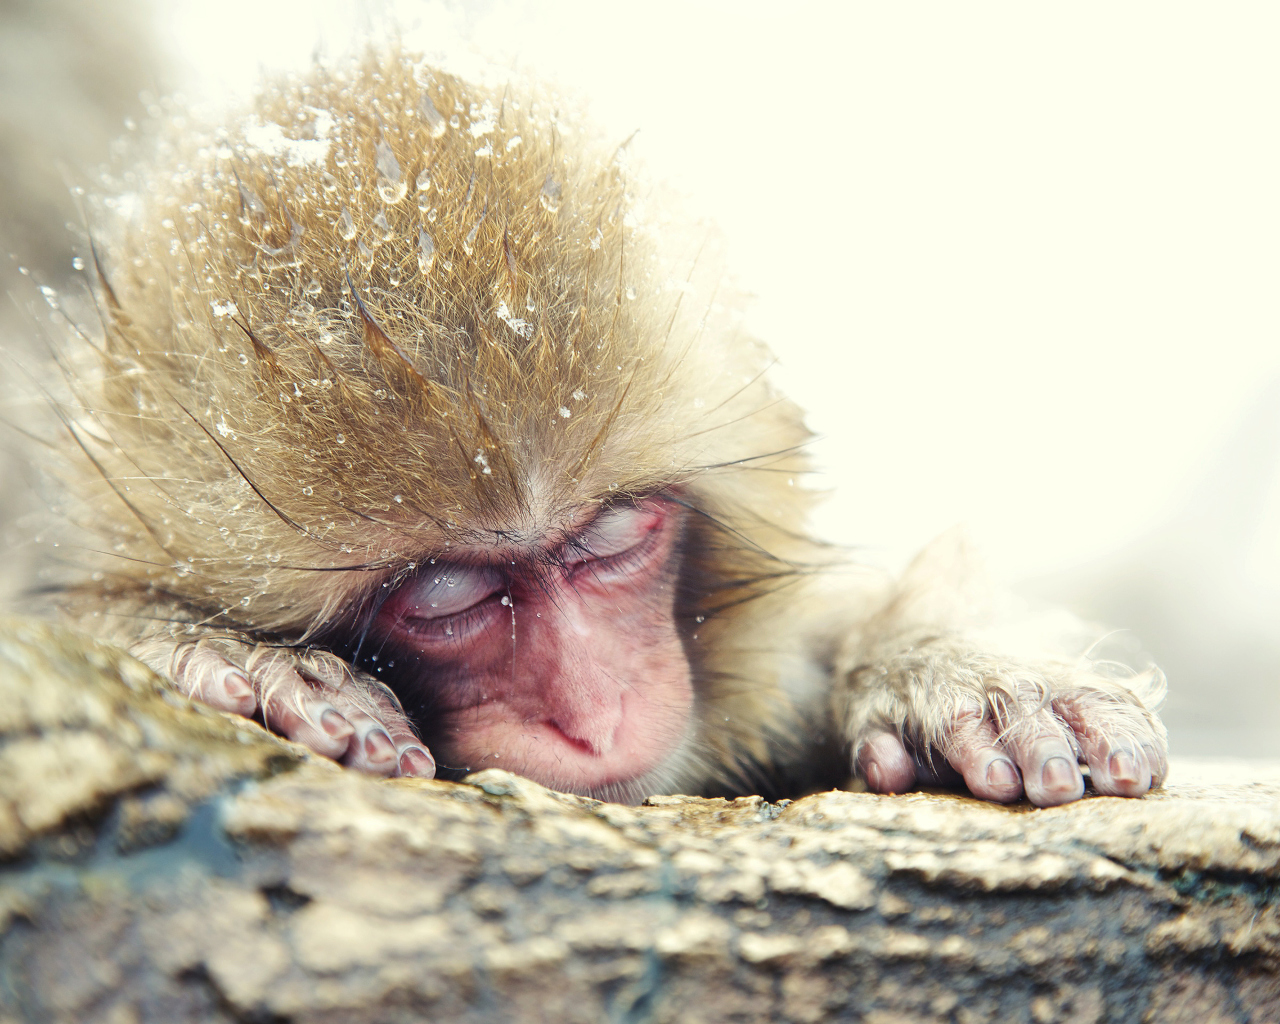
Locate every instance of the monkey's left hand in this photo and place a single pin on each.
(929, 690)
(941, 711)
(311, 697)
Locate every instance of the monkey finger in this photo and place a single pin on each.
(884, 762)
(413, 760)
(205, 675)
(1043, 750)
(291, 708)
(973, 749)
(1123, 754)
(369, 748)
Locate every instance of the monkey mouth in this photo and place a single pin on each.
(611, 761)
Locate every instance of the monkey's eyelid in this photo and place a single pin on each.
(446, 592)
(613, 532)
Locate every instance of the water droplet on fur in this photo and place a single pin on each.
(432, 214)
(390, 186)
(550, 195)
(631, 293)
(329, 182)
(435, 120)
(398, 499)
(512, 142)
(469, 243)
(579, 395)
(506, 601)
(699, 618)
(393, 276)
(426, 252)
(455, 121)
(341, 439)
(448, 630)
(346, 226)
(385, 232)
(423, 181)
(392, 192)
(613, 487)
(50, 296)
(244, 359)
(313, 287)
(564, 412)
(308, 491)
(78, 263)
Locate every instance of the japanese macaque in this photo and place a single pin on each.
(409, 431)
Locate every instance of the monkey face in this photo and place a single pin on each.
(559, 659)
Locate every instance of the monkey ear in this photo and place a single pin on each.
(946, 584)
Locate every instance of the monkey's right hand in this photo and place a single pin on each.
(311, 697)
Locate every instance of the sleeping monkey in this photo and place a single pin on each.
(407, 426)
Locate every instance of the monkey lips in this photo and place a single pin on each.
(560, 661)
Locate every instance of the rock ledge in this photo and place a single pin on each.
(164, 863)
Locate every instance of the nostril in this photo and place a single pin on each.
(594, 738)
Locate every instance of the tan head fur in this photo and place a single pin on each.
(388, 312)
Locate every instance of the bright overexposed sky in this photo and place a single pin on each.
(1019, 261)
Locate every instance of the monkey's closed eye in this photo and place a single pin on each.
(447, 592)
(616, 531)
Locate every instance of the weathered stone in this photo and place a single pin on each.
(164, 863)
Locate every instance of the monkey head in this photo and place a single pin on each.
(400, 368)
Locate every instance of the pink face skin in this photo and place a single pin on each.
(561, 663)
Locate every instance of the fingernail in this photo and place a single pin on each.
(1123, 767)
(237, 686)
(378, 746)
(334, 724)
(417, 762)
(1001, 772)
(1059, 773)
(874, 776)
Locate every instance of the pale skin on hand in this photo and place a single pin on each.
(1037, 756)
(316, 710)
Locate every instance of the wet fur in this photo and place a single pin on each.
(290, 401)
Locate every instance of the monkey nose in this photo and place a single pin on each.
(591, 726)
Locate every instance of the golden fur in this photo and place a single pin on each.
(388, 312)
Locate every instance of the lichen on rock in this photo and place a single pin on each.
(165, 863)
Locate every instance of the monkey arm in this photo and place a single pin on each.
(310, 696)
(928, 688)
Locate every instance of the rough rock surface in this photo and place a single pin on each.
(165, 863)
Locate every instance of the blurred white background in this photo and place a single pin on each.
(1019, 261)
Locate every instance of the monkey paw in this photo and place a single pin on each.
(313, 698)
(1004, 729)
